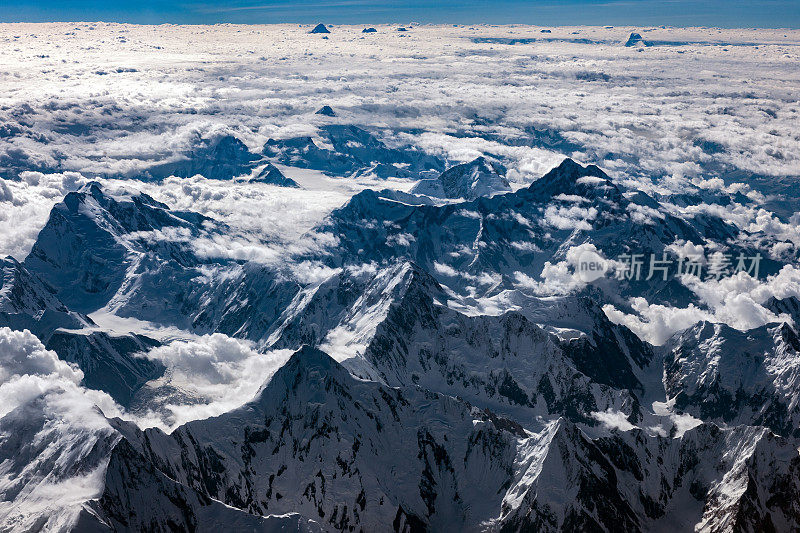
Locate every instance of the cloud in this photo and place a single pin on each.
(570, 218)
(735, 300)
(612, 419)
(559, 278)
(655, 323)
(217, 372)
(47, 419)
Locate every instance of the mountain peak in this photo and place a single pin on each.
(272, 175)
(789, 306)
(311, 357)
(479, 177)
(307, 369)
(326, 110)
(635, 39)
(82, 250)
(320, 28)
(573, 179)
(93, 187)
(216, 156)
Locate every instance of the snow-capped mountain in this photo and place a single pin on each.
(92, 240)
(397, 329)
(220, 156)
(487, 243)
(721, 374)
(480, 177)
(505, 410)
(136, 257)
(314, 441)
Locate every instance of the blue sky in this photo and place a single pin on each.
(724, 13)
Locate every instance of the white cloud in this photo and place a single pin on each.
(735, 300)
(559, 278)
(570, 218)
(612, 419)
(218, 371)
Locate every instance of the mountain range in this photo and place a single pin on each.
(430, 384)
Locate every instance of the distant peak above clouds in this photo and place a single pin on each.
(320, 28)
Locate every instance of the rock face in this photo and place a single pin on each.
(369, 30)
(27, 302)
(114, 364)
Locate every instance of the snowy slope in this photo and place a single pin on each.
(92, 240)
(718, 373)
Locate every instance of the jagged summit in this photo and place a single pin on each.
(320, 28)
(480, 177)
(346, 308)
(369, 30)
(326, 110)
(718, 373)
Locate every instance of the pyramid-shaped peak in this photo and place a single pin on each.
(307, 369)
(320, 28)
(326, 110)
(311, 357)
(272, 175)
(93, 188)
